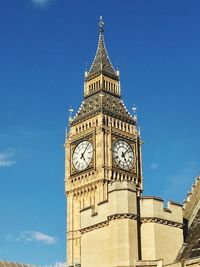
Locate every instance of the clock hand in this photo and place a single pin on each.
(123, 155)
(82, 156)
(85, 150)
(126, 151)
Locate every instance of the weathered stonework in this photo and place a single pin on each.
(109, 222)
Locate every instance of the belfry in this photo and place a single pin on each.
(109, 221)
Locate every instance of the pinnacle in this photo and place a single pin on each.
(101, 63)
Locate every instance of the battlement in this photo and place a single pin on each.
(104, 211)
(192, 196)
(193, 199)
(161, 227)
(152, 208)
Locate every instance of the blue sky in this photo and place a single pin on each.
(44, 46)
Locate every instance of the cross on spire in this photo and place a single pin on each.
(101, 63)
(101, 23)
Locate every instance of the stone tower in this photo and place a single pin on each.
(103, 172)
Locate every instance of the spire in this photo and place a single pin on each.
(101, 63)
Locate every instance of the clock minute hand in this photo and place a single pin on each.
(124, 153)
(82, 155)
(126, 150)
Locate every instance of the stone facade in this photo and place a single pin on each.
(109, 221)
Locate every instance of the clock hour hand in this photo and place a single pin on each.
(82, 156)
(123, 155)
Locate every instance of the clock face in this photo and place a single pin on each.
(82, 155)
(123, 154)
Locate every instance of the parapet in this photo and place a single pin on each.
(149, 263)
(153, 208)
(193, 199)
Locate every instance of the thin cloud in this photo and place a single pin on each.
(60, 264)
(57, 264)
(153, 166)
(6, 158)
(31, 236)
(42, 3)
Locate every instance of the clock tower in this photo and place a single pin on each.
(103, 172)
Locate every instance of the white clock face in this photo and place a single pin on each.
(123, 154)
(82, 155)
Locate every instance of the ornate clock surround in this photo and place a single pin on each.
(132, 144)
(90, 138)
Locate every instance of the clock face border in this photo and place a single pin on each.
(82, 155)
(133, 147)
(74, 145)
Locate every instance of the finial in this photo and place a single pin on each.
(70, 113)
(134, 109)
(117, 69)
(101, 24)
(86, 70)
(139, 131)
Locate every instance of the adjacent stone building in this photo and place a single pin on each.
(110, 223)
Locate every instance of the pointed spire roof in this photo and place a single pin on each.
(101, 63)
